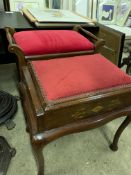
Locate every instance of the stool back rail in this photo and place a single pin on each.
(47, 122)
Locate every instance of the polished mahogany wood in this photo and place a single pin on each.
(47, 121)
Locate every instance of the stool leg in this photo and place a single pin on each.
(37, 150)
(114, 145)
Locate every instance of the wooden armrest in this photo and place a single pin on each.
(98, 42)
(13, 47)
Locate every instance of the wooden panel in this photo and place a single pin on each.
(114, 42)
(64, 115)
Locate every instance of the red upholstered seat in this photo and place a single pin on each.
(65, 77)
(39, 42)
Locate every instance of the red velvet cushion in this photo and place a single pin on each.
(66, 77)
(39, 42)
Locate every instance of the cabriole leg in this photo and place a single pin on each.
(38, 153)
(114, 145)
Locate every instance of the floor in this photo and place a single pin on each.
(85, 153)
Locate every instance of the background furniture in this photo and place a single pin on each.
(127, 46)
(6, 154)
(126, 30)
(17, 21)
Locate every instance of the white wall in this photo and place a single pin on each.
(1, 5)
(81, 7)
(65, 4)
